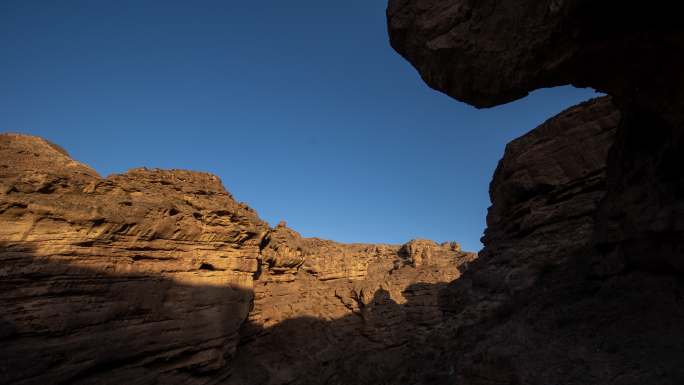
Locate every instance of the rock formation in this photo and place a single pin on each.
(567, 291)
(541, 305)
(490, 52)
(160, 276)
(156, 276)
(130, 277)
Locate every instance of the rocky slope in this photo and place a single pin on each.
(160, 276)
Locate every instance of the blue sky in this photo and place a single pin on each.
(301, 107)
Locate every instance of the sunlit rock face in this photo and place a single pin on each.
(160, 276)
(143, 276)
(494, 51)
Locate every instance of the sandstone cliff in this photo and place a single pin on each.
(160, 276)
(129, 277)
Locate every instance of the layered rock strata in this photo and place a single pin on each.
(160, 276)
(135, 276)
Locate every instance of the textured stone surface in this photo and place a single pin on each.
(546, 189)
(493, 51)
(488, 52)
(160, 276)
(143, 276)
(333, 313)
(541, 305)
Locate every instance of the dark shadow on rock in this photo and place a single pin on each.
(572, 326)
(372, 346)
(65, 324)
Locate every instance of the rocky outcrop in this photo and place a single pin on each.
(160, 276)
(145, 275)
(490, 52)
(547, 306)
(580, 277)
(540, 305)
(545, 193)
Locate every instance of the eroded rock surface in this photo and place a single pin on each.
(333, 313)
(160, 276)
(144, 276)
(490, 52)
(541, 305)
(623, 293)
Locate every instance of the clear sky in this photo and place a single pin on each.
(301, 107)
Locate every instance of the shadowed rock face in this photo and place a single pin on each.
(574, 285)
(540, 305)
(490, 52)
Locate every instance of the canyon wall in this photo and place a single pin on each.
(542, 305)
(335, 313)
(145, 275)
(573, 292)
(539, 306)
(160, 276)
(494, 51)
